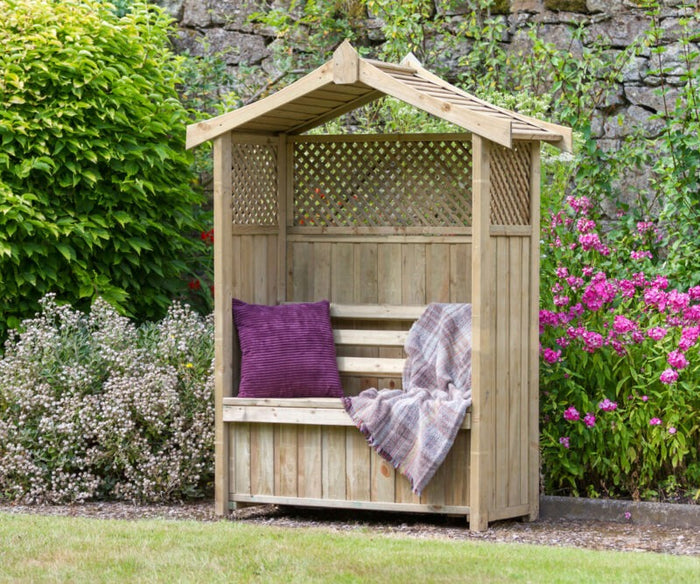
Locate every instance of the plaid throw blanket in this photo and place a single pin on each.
(415, 428)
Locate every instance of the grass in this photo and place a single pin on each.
(36, 548)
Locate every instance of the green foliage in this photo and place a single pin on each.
(96, 191)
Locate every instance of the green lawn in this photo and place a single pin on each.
(36, 548)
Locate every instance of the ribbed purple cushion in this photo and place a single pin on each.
(287, 350)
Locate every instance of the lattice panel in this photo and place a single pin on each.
(254, 177)
(382, 183)
(510, 186)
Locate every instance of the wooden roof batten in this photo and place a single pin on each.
(349, 81)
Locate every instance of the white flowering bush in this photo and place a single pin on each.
(94, 407)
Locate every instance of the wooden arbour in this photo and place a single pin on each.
(371, 221)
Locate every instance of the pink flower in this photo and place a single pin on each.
(622, 324)
(592, 340)
(672, 430)
(677, 359)
(677, 301)
(657, 333)
(589, 241)
(589, 420)
(668, 377)
(587, 271)
(641, 254)
(579, 204)
(607, 406)
(551, 356)
(645, 398)
(655, 422)
(655, 297)
(627, 287)
(564, 441)
(574, 282)
(628, 515)
(548, 318)
(694, 292)
(692, 313)
(644, 226)
(660, 282)
(562, 272)
(571, 414)
(584, 225)
(561, 300)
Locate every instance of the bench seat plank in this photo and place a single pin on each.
(322, 411)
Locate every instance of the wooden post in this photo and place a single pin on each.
(482, 480)
(223, 314)
(534, 389)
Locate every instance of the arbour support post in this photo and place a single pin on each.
(482, 480)
(223, 316)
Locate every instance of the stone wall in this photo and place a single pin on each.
(216, 25)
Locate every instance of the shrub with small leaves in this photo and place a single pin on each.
(94, 407)
(96, 189)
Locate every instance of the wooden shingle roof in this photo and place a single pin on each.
(349, 81)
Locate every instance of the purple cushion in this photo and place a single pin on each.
(287, 350)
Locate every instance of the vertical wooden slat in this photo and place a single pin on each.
(389, 273)
(301, 271)
(366, 292)
(260, 268)
(247, 283)
(460, 273)
(389, 270)
(366, 277)
(503, 373)
(230, 464)
(357, 466)
(437, 274)
(436, 490)
(322, 271)
(342, 273)
(525, 422)
(413, 271)
(533, 415)
(515, 332)
(309, 456)
(223, 316)
(382, 479)
(481, 482)
(457, 469)
(333, 463)
(242, 458)
(286, 461)
(262, 462)
(272, 292)
(282, 211)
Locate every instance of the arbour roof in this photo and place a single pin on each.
(349, 81)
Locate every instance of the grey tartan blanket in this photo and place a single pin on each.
(415, 428)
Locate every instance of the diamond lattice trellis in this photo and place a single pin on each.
(510, 186)
(254, 178)
(382, 183)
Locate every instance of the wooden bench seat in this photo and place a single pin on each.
(321, 411)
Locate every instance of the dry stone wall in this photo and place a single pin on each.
(223, 25)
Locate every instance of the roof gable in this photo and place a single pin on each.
(349, 81)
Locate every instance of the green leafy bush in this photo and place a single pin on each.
(96, 190)
(92, 406)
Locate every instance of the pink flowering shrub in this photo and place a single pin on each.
(620, 369)
(93, 407)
